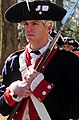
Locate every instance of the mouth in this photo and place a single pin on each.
(30, 35)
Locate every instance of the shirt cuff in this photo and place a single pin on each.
(42, 90)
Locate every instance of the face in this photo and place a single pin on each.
(77, 53)
(36, 32)
(67, 47)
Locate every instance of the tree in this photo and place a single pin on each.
(0, 32)
(9, 34)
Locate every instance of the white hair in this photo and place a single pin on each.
(47, 22)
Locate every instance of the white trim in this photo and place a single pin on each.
(40, 108)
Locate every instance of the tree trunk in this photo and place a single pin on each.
(9, 34)
(0, 32)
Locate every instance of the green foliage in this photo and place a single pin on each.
(72, 29)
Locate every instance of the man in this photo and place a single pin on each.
(69, 44)
(66, 43)
(51, 93)
(60, 41)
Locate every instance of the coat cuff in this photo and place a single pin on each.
(42, 90)
(8, 98)
(36, 81)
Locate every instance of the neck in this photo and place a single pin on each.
(38, 45)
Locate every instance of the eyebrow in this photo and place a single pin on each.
(31, 21)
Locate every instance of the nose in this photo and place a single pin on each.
(28, 28)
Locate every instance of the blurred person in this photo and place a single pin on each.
(76, 51)
(69, 43)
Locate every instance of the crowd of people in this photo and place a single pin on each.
(67, 43)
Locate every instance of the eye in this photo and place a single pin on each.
(25, 23)
(35, 23)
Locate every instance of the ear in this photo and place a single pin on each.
(49, 27)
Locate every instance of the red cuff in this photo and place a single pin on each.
(42, 90)
(8, 98)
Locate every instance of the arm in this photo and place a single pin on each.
(10, 68)
(4, 107)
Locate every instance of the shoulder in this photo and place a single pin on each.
(12, 62)
(67, 56)
(14, 56)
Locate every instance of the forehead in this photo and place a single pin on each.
(32, 21)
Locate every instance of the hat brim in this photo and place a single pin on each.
(19, 12)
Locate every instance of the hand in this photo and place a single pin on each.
(20, 88)
(31, 77)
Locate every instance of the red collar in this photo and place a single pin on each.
(28, 59)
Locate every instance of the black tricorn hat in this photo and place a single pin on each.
(76, 49)
(60, 41)
(71, 41)
(36, 10)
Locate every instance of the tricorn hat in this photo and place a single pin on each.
(76, 49)
(71, 41)
(35, 10)
(60, 41)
